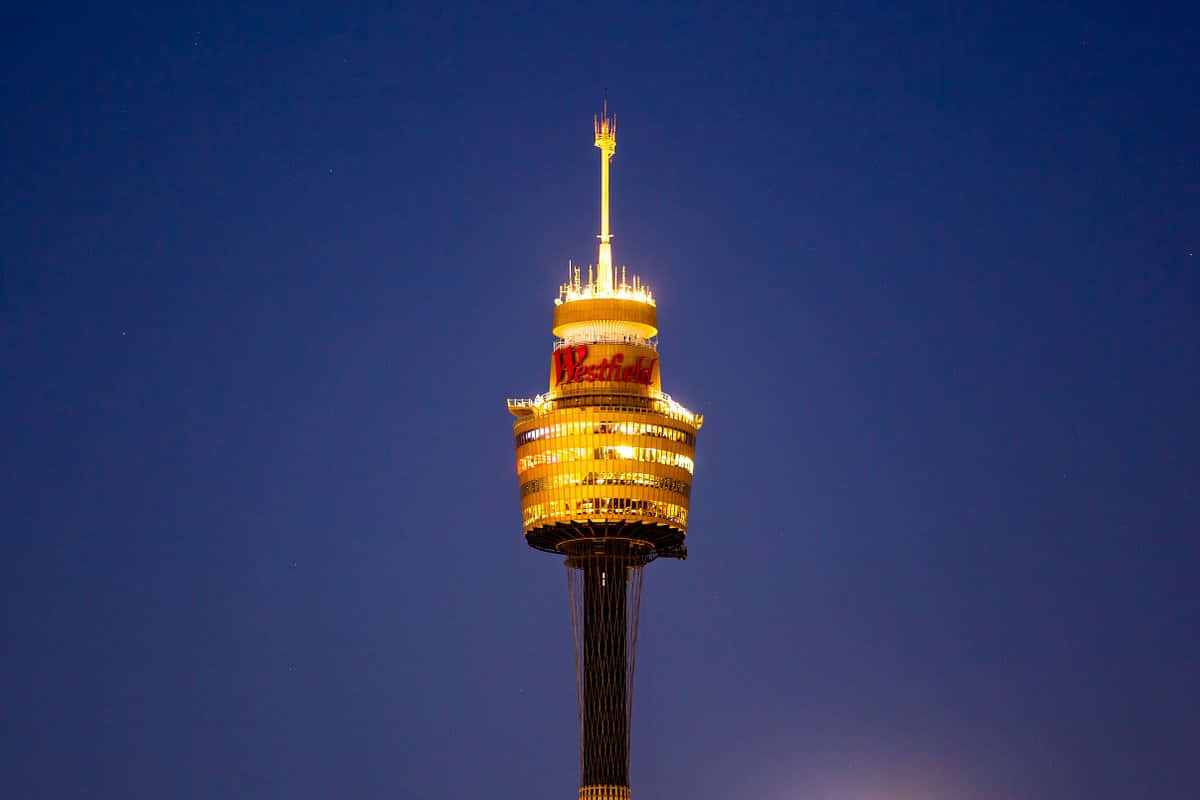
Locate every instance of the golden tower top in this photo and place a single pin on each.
(604, 456)
(602, 282)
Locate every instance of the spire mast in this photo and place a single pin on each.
(606, 140)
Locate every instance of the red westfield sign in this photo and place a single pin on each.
(569, 367)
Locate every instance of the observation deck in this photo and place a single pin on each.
(604, 453)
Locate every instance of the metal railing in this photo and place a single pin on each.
(637, 341)
(662, 405)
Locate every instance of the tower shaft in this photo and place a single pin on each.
(605, 580)
(605, 725)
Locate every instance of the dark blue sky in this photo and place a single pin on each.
(930, 272)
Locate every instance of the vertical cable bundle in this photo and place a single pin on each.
(605, 582)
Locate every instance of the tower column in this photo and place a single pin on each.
(605, 759)
(605, 581)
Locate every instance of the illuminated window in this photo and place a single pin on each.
(622, 452)
(668, 512)
(606, 427)
(643, 479)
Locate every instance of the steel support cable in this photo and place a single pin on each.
(605, 584)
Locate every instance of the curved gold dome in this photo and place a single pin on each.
(641, 318)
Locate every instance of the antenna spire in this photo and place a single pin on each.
(606, 140)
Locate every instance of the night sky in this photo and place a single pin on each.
(931, 274)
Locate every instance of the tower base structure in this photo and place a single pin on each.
(604, 793)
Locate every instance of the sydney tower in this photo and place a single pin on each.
(605, 461)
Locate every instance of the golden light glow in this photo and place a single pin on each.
(527, 406)
(576, 289)
(604, 793)
(607, 426)
(646, 455)
(602, 282)
(673, 515)
(604, 444)
(609, 479)
(606, 140)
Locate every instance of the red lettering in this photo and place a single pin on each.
(562, 367)
(640, 374)
(567, 361)
(650, 372)
(569, 367)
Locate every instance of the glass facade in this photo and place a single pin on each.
(647, 455)
(606, 459)
(607, 479)
(606, 426)
(600, 509)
